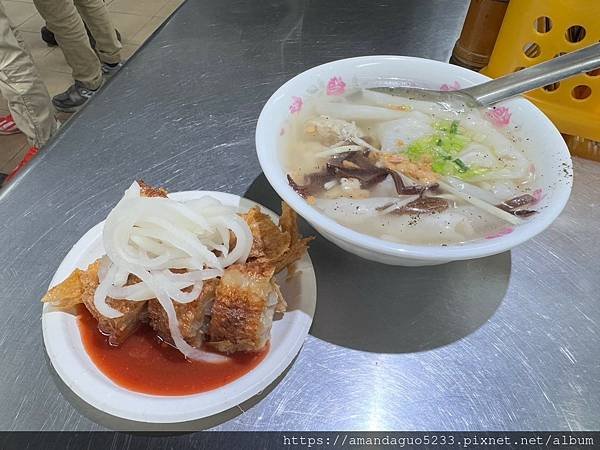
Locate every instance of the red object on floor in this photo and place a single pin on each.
(28, 157)
(8, 125)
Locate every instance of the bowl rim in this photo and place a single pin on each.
(471, 249)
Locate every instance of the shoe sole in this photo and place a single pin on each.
(8, 133)
(71, 109)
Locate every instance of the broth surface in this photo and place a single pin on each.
(337, 149)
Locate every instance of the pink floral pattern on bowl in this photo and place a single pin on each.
(499, 115)
(538, 196)
(502, 232)
(296, 105)
(336, 86)
(454, 86)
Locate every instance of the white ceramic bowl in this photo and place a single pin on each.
(548, 152)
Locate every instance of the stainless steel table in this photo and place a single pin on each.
(507, 342)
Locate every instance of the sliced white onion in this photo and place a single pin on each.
(147, 237)
(101, 294)
(136, 292)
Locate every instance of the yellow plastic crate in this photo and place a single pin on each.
(534, 31)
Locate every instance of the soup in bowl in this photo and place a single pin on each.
(405, 181)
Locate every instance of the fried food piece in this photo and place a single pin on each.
(289, 222)
(149, 191)
(418, 170)
(68, 293)
(269, 242)
(281, 305)
(292, 255)
(243, 309)
(280, 245)
(192, 317)
(298, 245)
(120, 328)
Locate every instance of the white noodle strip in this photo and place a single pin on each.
(362, 142)
(495, 211)
(337, 144)
(470, 189)
(347, 111)
(337, 150)
(398, 204)
(330, 184)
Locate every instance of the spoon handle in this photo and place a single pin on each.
(583, 60)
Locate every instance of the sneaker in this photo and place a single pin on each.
(73, 98)
(8, 125)
(110, 69)
(28, 157)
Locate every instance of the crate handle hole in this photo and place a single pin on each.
(551, 87)
(576, 33)
(532, 49)
(542, 24)
(581, 92)
(593, 73)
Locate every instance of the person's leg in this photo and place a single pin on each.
(21, 85)
(96, 17)
(63, 20)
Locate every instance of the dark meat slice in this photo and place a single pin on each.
(512, 205)
(422, 205)
(358, 165)
(192, 316)
(243, 309)
(120, 328)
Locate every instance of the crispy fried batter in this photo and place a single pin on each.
(149, 191)
(66, 294)
(269, 242)
(242, 313)
(280, 245)
(281, 305)
(191, 316)
(293, 254)
(120, 328)
(289, 222)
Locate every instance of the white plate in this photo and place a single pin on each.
(74, 366)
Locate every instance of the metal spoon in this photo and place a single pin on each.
(508, 86)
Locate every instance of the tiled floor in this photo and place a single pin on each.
(135, 19)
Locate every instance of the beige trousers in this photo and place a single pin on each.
(67, 25)
(22, 87)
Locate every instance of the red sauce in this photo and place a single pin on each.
(143, 363)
